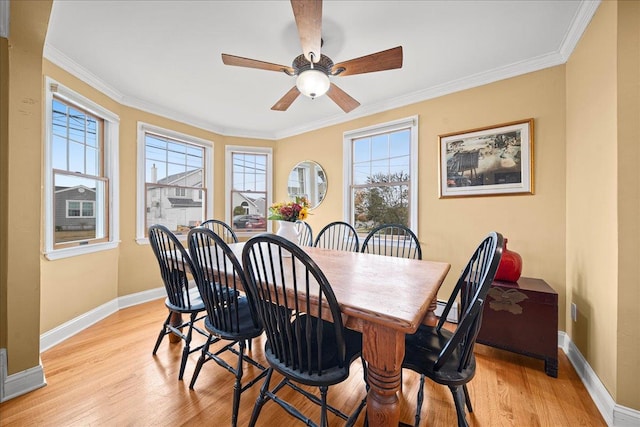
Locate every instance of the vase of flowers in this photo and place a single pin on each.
(287, 213)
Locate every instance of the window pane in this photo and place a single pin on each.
(176, 208)
(399, 166)
(380, 147)
(76, 157)
(75, 203)
(92, 161)
(361, 173)
(400, 143)
(361, 150)
(87, 209)
(92, 132)
(249, 211)
(59, 153)
(379, 170)
(73, 208)
(379, 205)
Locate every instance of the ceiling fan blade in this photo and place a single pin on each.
(341, 98)
(389, 59)
(286, 101)
(308, 14)
(239, 61)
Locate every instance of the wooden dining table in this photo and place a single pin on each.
(385, 298)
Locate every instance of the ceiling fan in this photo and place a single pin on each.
(312, 68)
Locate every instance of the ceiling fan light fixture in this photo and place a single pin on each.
(313, 83)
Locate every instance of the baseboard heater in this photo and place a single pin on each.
(453, 313)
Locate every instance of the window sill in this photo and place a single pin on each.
(79, 250)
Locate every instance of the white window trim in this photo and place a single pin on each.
(229, 149)
(347, 154)
(111, 170)
(208, 172)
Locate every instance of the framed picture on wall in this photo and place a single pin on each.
(487, 161)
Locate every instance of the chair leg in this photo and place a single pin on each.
(187, 342)
(323, 407)
(459, 400)
(420, 400)
(201, 360)
(467, 398)
(163, 332)
(261, 398)
(237, 387)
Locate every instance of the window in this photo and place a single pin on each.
(248, 185)
(380, 168)
(81, 179)
(298, 179)
(80, 209)
(175, 180)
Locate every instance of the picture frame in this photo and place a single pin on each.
(488, 161)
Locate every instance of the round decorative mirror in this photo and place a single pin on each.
(308, 179)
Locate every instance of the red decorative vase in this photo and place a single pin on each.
(510, 266)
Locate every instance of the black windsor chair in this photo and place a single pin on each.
(305, 234)
(338, 235)
(392, 240)
(222, 229)
(301, 345)
(447, 357)
(230, 316)
(175, 266)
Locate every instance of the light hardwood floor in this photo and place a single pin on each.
(106, 376)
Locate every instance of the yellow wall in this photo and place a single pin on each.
(98, 278)
(4, 153)
(580, 231)
(449, 229)
(21, 163)
(592, 226)
(628, 334)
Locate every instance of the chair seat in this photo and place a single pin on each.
(244, 326)
(332, 373)
(196, 303)
(422, 350)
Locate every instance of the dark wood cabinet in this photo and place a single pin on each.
(523, 317)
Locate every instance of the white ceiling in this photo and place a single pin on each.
(164, 56)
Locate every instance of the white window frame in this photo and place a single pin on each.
(82, 202)
(229, 150)
(207, 145)
(347, 156)
(111, 171)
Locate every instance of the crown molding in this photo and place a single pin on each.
(4, 18)
(581, 20)
(583, 16)
(72, 67)
(497, 74)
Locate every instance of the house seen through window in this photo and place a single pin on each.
(249, 176)
(175, 190)
(80, 186)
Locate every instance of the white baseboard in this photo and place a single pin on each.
(141, 297)
(21, 382)
(614, 415)
(453, 313)
(73, 326)
(25, 381)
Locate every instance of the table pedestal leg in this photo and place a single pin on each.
(176, 320)
(384, 351)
